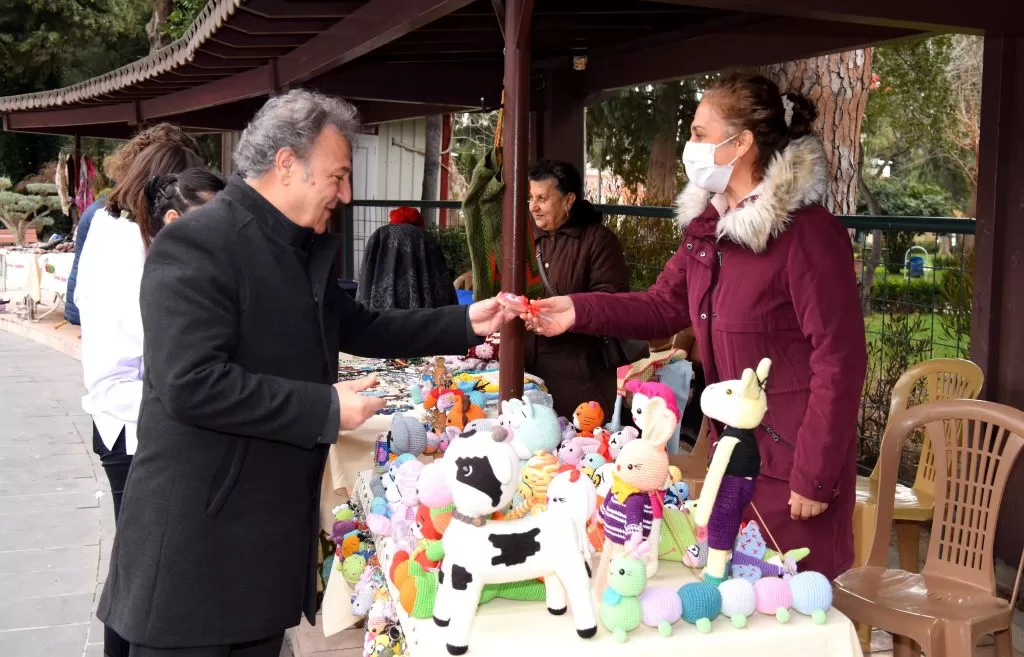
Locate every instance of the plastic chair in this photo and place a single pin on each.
(945, 378)
(946, 608)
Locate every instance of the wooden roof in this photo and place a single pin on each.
(403, 58)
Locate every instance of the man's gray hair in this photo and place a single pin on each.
(293, 120)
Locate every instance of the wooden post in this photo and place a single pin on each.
(518, 18)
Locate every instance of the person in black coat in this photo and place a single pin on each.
(216, 546)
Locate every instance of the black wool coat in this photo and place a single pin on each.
(243, 317)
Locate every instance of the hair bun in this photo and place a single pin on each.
(801, 114)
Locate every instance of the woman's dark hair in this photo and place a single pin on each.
(753, 102)
(129, 196)
(116, 164)
(567, 178)
(181, 191)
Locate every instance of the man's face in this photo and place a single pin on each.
(323, 181)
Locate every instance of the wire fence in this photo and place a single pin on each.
(914, 275)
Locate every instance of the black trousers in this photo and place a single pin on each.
(269, 647)
(116, 463)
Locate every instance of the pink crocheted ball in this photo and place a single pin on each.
(773, 595)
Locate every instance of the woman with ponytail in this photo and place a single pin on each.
(151, 193)
(763, 270)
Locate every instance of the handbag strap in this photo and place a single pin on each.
(543, 274)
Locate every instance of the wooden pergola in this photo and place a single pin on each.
(400, 59)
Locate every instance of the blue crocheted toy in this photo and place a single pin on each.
(701, 603)
(812, 595)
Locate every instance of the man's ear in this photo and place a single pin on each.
(286, 163)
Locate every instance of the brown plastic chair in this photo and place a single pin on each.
(946, 608)
(945, 378)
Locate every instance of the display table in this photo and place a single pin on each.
(514, 629)
(345, 460)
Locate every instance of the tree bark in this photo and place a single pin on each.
(838, 86)
(663, 164)
(432, 166)
(155, 27)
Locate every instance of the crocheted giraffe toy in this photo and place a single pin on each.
(729, 486)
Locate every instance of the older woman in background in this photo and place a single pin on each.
(578, 254)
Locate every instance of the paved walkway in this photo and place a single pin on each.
(56, 519)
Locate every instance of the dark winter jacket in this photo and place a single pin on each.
(244, 319)
(773, 278)
(404, 267)
(581, 256)
(70, 309)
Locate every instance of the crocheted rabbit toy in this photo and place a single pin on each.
(531, 427)
(729, 486)
(627, 601)
(644, 392)
(639, 473)
(588, 416)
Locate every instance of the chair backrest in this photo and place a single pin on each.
(970, 479)
(944, 378)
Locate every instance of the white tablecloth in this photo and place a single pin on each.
(54, 269)
(505, 628)
(40, 276)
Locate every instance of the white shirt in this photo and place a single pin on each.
(107, 296)
(721, 201)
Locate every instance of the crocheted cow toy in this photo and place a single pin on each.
(483, 473)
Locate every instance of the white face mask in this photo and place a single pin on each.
(699, 162)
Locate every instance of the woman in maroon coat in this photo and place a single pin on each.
(763, 271)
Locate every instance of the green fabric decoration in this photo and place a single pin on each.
(482, 211)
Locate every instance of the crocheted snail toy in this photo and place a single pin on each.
(729, 485)
(627, 601)
(643, 392)
(530, 427)
(483, 473)
(630, 506)
(588, 416)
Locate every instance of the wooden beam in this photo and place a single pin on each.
(252, 83)
(64, 118)
(275, 9)
(374, 24)
(422, 83)
(253, 24)
(744, 45)
(995, 16)
(376, 112)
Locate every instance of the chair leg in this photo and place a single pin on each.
(864, 636)
(904, 646)
(908, 543)
(1004, 643)
(863, 532)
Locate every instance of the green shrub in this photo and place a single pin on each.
(913, 293)
(455, 249)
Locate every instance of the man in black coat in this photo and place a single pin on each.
(216, 546)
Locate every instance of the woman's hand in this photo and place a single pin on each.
(802, 508)
(464, 282)
(553, 316)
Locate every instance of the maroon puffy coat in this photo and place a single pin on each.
(773, 278)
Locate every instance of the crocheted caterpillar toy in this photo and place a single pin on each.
(629, 506)
(809, 593)
(627, 601)
(702, 603)
(729, 486)
(483, 473)
(643, 392)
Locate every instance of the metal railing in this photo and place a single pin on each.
(914, 274)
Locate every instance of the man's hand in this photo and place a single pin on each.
(355, 409)
(488, 316)
(802, 508)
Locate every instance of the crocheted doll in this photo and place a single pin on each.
(644, 392)
(639, 472)
(588, 416)
(729, 486)
(531, 427)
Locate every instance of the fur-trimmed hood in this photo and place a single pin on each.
(797, 177)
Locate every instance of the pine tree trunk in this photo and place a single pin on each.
(838, 85)
(432, 166)
(155, 27)
(663, 164)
